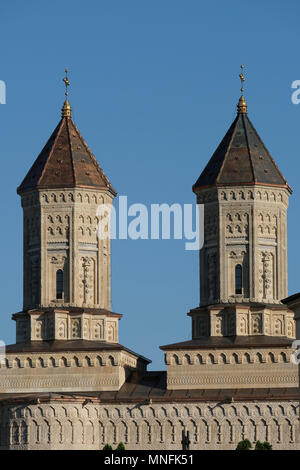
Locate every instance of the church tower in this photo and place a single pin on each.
(67, 383)
(66, 265)
(66, 324)
(245, 198)
(243, 261)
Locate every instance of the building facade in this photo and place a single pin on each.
(67, 383)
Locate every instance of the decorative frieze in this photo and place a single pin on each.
(58, 226)
(209, 369)
(242, 320)
(245, 227)
(236, 356)
(63, 324)
(157, 426)
(86, 371)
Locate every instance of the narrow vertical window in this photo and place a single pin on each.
(238, 279)
(59, 284)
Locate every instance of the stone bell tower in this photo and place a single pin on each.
(66, 265)
(243, 263)
(245, 197)
(66, 334)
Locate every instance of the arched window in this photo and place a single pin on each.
(59, 284)
(238, 279)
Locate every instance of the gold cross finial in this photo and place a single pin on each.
(66, 109)
(242, 105)
(66, 80)
(242, 79)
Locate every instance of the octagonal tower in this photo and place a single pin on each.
(66, 334)
(243, 271)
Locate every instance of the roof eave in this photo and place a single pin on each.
(196, 189)
(21, 191)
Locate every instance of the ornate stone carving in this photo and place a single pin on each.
(243, 325)
(211, 275)
(34, 280)
(111, 331)
(38, 329)
(51, 226)
(85, 278)
(62, 329)
(154, 427)
(75, 328)
(266, 272)
(257, 323)
(98, 329)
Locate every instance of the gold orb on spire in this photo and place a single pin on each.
(66, 109)
(242, 105)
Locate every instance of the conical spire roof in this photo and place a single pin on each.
(241, 158)
(66, 161)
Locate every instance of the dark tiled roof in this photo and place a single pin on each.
(68, 345)
(65, 162)
(291, 298)
(147, 387)
(241, 158)
(255, 341)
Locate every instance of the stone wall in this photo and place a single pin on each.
(246, 227)
(63, 324)
(60, 234)
(242, 320)
(67, 371)
(67, 425)
(237, 368)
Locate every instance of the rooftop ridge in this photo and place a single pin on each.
(226, 154)
(70, 145)
(249, 150)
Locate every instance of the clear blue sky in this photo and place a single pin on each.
(154, 88)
